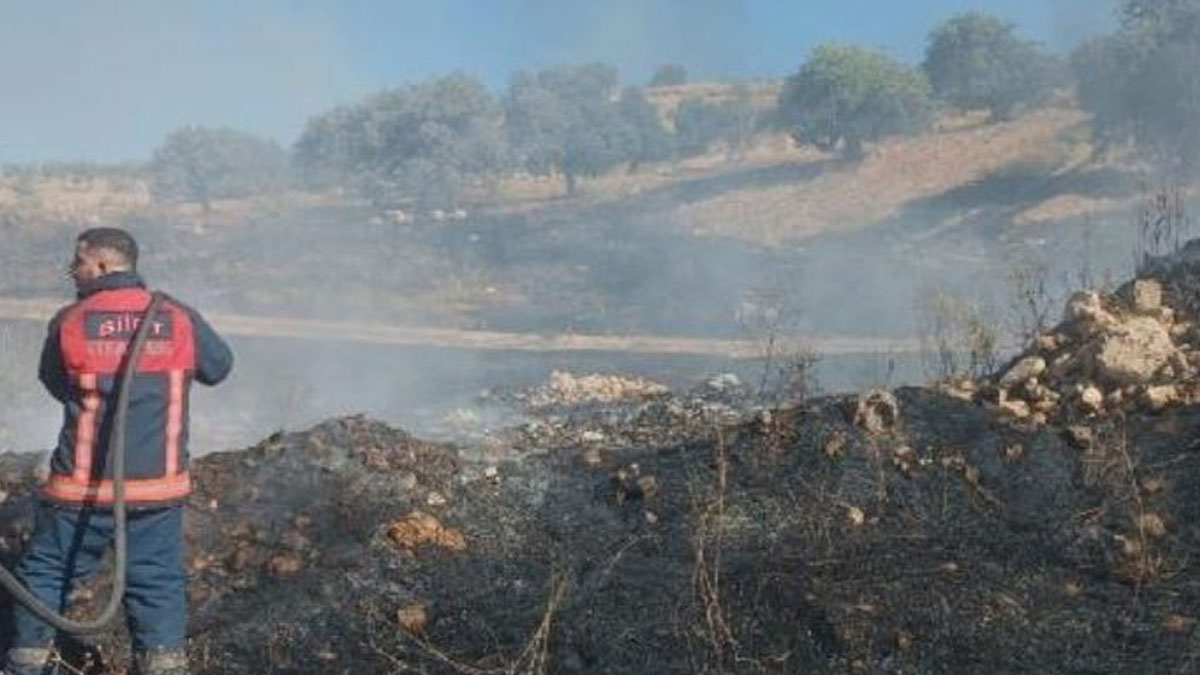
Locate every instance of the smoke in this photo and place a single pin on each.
(1074, 21)
(108, 81)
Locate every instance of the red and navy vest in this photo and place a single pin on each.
(93, 336)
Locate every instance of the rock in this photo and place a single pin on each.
(724, 382)
(1022, 371)
(1085, 313)
(412, 618)
(284, 564)
(877, 411)
(1115, 398)
(1046, 342)
(1153, 485)
(1152, 525)
(1091, 399)
(1134, 351)
(648, 485)
(436, 499)
(419, 528)
(1015, 408)
(1159, 397)
(1147, 296)
(1080, 437)
(960, 391)
(1029, 390)
(1178, 623)
(856, 516)
(835, 444)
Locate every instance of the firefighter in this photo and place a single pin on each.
(80, 363)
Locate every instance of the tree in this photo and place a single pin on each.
(201, 164)
(700, 125)
(422, 143)
(844, 96)
(975, 61)
(1141, 83)
(566, 120)
(669, 75)
(652, 142)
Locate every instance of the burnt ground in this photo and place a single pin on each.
(677, 535)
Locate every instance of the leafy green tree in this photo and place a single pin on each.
(651, 140)
(975, 61)
(424, 142)
(202, 164)
(1142, 85)
(845, 96)
(700, 125)
(669, 75)
(567, 120)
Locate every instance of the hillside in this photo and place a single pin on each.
(771, 191)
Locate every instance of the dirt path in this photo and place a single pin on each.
(374, 333)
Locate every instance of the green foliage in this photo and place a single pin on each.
(975, 61)
(700, 125)
(567, 120)
(201, 164)
(669, 75)
(1141, 83)
(652, 142)
(845, 96)
(422, 143)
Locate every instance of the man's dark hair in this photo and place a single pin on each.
(113, 239)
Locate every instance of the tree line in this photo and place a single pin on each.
(424, 144)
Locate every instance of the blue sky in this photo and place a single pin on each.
(104, 81)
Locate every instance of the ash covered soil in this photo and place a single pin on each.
(1041, 520)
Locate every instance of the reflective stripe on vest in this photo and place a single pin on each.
(136, 490)
(85, 426)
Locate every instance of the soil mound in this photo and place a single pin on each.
(676, 538)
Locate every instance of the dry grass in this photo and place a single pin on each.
(534, 658)
(81, 199)
(895, 173)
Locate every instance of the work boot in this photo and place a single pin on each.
(28, 661)
(168, 661)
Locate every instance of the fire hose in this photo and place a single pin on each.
(116, 453)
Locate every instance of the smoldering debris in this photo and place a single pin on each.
(950, 541)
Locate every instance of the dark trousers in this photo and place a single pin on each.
(66, 548)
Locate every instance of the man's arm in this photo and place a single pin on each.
(214, 359)
(51, 371)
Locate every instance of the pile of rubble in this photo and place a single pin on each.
(566, 389)
(1133, 350)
